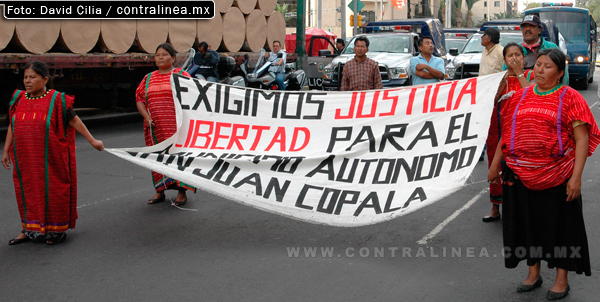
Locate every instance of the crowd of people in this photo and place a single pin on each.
(541, 132)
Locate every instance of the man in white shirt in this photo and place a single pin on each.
(491, 58)
(278, 65)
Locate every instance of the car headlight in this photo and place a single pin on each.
(328, 72)
(399, 73)
(450, 71)
(581, 59)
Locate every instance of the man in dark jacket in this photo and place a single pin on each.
(207, 59)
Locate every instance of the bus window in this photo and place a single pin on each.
(569, 25)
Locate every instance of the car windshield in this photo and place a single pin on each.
(474, 44)
(384, 43)
(458, 44)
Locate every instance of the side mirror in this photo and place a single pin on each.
(324, 52)
(454, 51)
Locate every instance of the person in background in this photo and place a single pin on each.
(361, 73)
(533, 43)
(40, 141)
(339, 45)
(207, 59)
(514, 79)
(426, 68)
(548, 131)
(491, 58)
(278, 57)
(154, 100)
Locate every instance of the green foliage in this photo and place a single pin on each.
(506, 15)
(529, 5)
(283, 9)
(593, 6)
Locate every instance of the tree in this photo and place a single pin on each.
(529, 5)
(458, 13)
(592, 5)
(442, 12)
(283, 9)
(470, 4)
(506, 15)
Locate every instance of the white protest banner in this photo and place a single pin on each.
(337, 158)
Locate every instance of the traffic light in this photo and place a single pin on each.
(358, 19)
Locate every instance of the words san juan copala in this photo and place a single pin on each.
(227, 142)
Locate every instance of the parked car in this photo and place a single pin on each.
(392, 44)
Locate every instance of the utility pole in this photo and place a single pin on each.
(319, 8)
(343, 11)
(449, 13)
(355, 29)
(300, 35)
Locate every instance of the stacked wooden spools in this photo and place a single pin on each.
(238, 25)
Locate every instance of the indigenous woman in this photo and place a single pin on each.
(155, 103)
(514, 79)
(548, 131)
(41, 143)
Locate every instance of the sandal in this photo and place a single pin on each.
(16, 241)
(180, 203)
(156, 200)
(56, 238)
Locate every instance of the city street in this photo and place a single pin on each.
(218, 250)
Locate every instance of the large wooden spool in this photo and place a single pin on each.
(79, 36)
(234, 30)
(182, 34)
(222, 6)
(151, 33)
(246, 6)
(256, 30)
(266, 6)
(36, 36)
(7, 29)
(211, 31)
(117, 36)
(276, 29)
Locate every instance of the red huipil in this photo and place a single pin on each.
(537, 134)
(43, 153)
(512, 85)
(158, 97)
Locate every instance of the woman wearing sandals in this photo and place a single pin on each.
(40, 141)
(548, 131)
(514, 79)
(155, 103)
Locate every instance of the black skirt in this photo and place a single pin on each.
(542, 225)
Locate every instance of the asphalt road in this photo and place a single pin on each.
(126, 250)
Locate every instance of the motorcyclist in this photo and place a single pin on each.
(278, 57)
(208, 60)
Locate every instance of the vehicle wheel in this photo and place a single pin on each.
(583, 84)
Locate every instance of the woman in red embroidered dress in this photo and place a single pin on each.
(514, 79)
(155, 103)
(40, 141)
(548, 131)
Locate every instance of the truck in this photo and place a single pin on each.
(392, 44)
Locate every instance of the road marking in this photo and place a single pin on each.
(441, 226)
(111, 198)
(594, 104)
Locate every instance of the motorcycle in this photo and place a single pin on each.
(225, 66)
(262, 78)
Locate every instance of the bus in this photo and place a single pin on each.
(578, 28)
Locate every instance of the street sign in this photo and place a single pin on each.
(359, 5)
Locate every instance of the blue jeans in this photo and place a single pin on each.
(279, 78)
